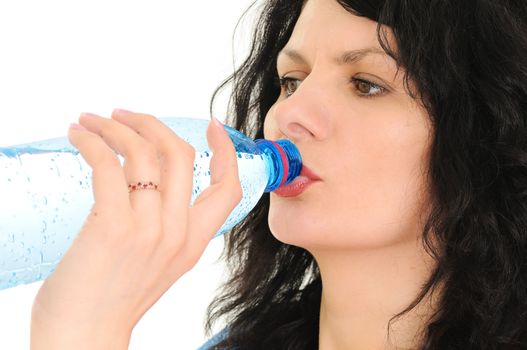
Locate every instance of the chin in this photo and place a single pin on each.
(291, 232)
(305, 223)
(300, 224)
(292, 222)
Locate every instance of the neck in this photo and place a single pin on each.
(363, 290)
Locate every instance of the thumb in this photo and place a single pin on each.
(218, 200)
(223, 163)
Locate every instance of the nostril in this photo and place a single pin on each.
(296, 130)
(284, 135)
(295, 127)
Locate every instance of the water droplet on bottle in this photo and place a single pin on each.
(71, 189)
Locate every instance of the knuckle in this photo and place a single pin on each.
(143, 146)
(120, 234)
(106, 231)
(148, 234)
(173, 257)
(146, 151)
(239, 195)
(172, 241)
(189, 152)
(149, 239)
(172, 247)
(177, 149)
(237, 191)
(150, 118)
(146, 120)
(107, 159)
(233, 169)
(189, 260)
(184, 152)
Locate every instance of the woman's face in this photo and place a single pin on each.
(356, 128)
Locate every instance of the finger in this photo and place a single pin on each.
(216, 202)
(140, 162)
(177, 160)
(109, 182)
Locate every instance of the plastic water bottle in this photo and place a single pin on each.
(46, 193)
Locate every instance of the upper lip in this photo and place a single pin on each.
(305, 171)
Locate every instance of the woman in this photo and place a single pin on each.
(411, 114)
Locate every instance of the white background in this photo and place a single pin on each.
(59, 58)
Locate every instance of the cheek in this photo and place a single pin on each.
(297, 222)
(381, 210)
(374, 189)
(269, 123)
(372, 197)
(364, 215)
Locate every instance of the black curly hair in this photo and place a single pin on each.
(468, 59)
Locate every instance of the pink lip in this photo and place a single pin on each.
(305, 171)
(299, 184)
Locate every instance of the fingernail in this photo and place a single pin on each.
(76, 126)
(121, 111)
(88, 115)
(217, 122)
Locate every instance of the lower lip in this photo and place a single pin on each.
(295, 188)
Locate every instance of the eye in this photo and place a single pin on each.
(289, 85)
(367, 89)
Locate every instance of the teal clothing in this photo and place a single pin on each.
(213, 341)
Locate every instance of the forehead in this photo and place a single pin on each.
(326, 24)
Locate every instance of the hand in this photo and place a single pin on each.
(133, 246)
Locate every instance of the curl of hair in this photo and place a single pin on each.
(468, 63)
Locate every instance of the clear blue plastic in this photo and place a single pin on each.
(46, 193)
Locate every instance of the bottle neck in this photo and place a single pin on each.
(283, 159)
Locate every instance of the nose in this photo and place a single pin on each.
(301, 117)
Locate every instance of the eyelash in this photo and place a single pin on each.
(283, 81)
(382, 90)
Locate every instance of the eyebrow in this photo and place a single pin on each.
(347, 57)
